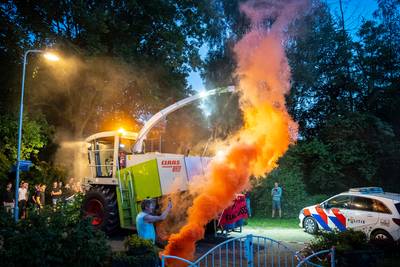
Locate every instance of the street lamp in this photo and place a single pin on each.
(48, 56)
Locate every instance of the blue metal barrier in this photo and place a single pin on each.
(165, 257)
(248, 251)
(307, 259)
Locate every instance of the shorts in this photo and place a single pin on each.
(9, 206)
(55, 201)
(276, 204)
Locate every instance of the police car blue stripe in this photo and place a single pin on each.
(321, 222)
(338, 224)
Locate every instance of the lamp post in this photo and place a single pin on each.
(50, 57)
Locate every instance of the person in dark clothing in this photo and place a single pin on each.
(8, 199)
(42, 195)
(55, 193)
(36, 197)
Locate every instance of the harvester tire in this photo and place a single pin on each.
(100, 203)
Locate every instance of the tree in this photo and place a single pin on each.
(378, 62)
(36, 135)
(318, 56)
(13, 41)
(365, 149)
(350, 151)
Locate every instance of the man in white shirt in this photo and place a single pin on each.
(22, 199)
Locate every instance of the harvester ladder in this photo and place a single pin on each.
(126, 199)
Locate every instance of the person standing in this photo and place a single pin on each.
(145, 219)
(22, 199)
(78, 187)
(42, 195)
(8, 199)
(36, 197)
(247, 195)
(55, 193)
(276, 194)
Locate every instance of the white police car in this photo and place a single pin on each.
(368, 209)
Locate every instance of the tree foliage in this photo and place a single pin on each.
(36, 135)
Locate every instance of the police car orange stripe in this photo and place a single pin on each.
(322, 218)
(322, 214)
(339, 216)
(339, 220)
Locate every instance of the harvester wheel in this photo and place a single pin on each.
(100, 203)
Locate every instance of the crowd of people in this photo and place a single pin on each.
(35, 197)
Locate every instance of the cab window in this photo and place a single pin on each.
(101, 156)
(341, 202)
(125, 146)
(378, 206)
(362, 203)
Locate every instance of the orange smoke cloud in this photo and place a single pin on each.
(268, 130)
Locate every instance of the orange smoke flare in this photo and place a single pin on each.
(266, 135)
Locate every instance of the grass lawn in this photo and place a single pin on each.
(273, 223)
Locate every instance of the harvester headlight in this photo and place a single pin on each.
(203, 94)
(121, 131)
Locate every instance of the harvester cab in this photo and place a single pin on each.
(107, 152)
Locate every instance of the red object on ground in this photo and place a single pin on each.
(235, 212)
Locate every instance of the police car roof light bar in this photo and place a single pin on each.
(367, 190)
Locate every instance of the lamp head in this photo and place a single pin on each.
(51, 56)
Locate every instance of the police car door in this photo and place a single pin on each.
(361, 215)
(337, 209)
(385, 215)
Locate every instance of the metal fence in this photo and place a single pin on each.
(247, 251)
(306, 261)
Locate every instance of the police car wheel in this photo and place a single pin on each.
(381, 237)
(310, 225)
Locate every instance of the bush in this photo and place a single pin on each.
(52, 238)
(136, 245)
(140, 252)
(352, 248)
(342, 241)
